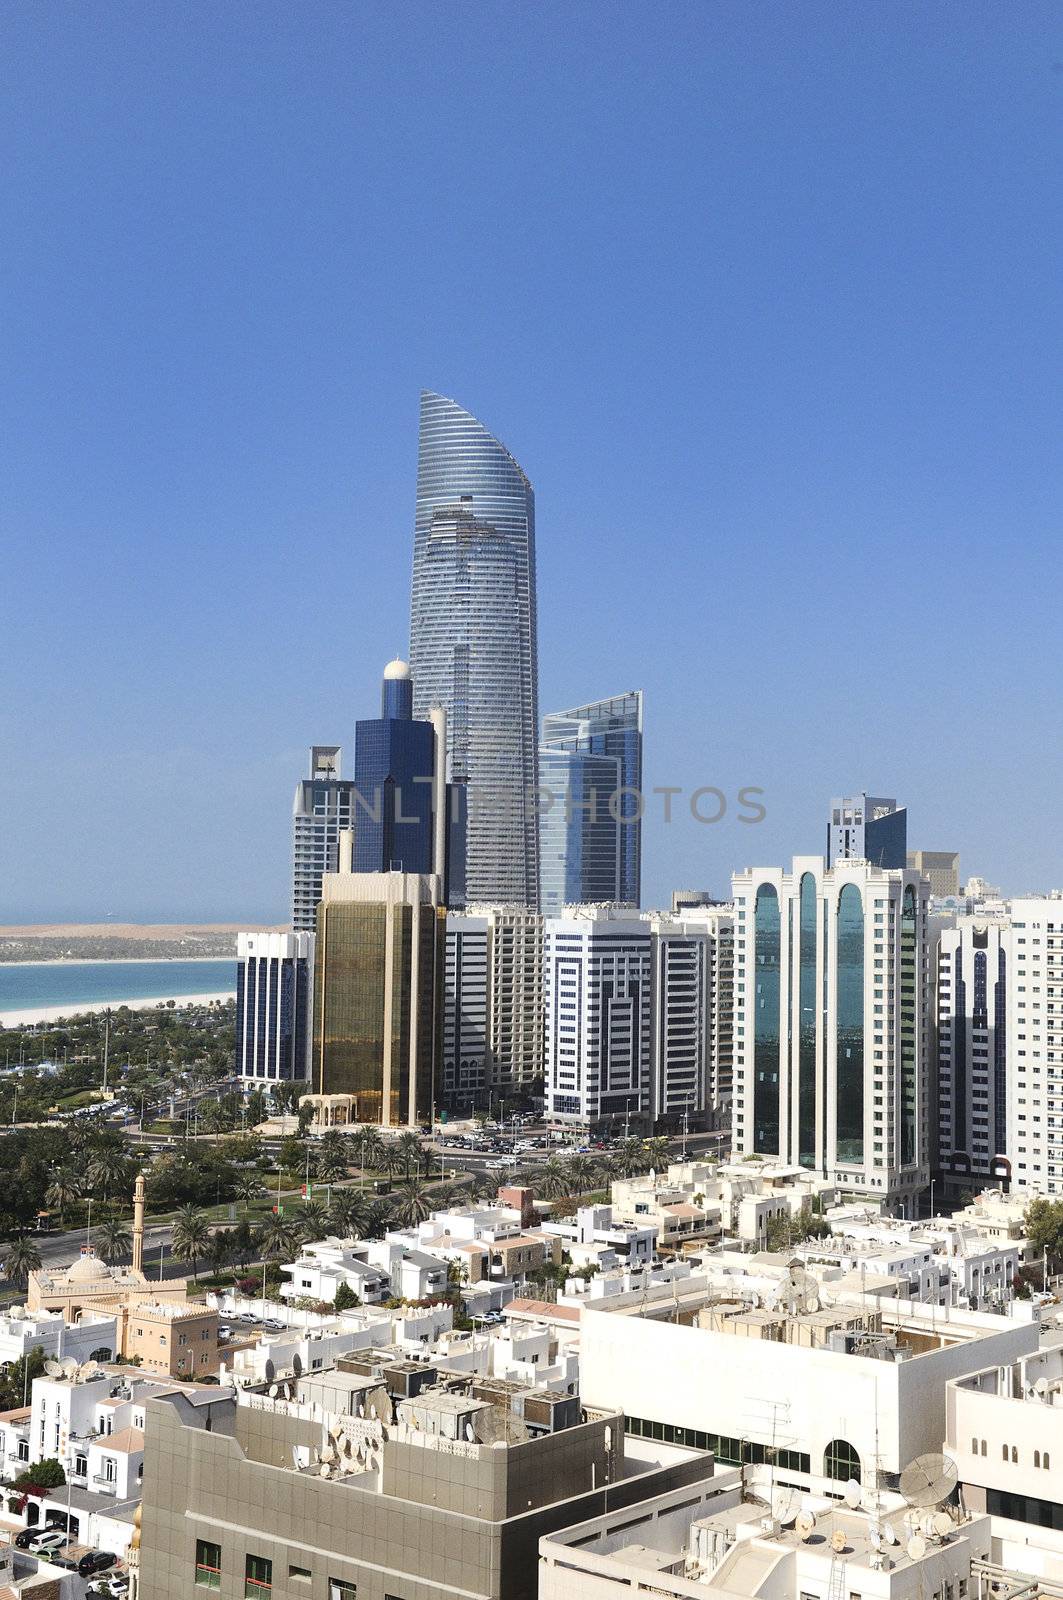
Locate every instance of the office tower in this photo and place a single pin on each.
(693, 982)
(1035, 1044)
(832, 1016)
(597, 979)
(942, 867)
(473, 640)
(580, 844)
(274, 976)
(407, 818)
(610, 728)
(378, 989)
(972, 1045)
(493, 1006)
(322, 808)
(465, 1071)
(863, 827)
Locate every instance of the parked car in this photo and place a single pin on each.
(68, 1563)
(24, 1539)
(96, 1561)
(51, 1539)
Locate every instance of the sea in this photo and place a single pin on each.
(33, 985)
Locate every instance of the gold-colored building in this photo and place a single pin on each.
(378, 989)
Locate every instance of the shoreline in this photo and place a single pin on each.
(112, 961)
(27, 1015)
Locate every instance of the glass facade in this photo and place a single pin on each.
(806, 1111)
(909, 1010)
(273, 1006)
(579, 839)
(323, 806)
(849, 1080)
(473, 640)
(767, 946)
(610, 728)
(394, 760)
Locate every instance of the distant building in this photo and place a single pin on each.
(864, 827)
(833, 1019)
(473, 649)
(611, 731)
(942, 867)
(597, 968)
(690, 899)
(693, 976)
(378, 990)
(322, 809)
(274, 994)
(493, 997)
(465, 1076)
(1035, 1043)
(407, 818)
(972, 1047)
(579, 838)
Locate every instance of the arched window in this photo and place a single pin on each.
(983, 1447)
(1014, 1455)
(974, 1447)
(1004, 1451)
(841, 1461)
(1044, 1461)
(1037, 1458)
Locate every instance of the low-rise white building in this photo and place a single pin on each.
(326, 1263)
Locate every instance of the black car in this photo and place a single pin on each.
(22, 1540)
(95, 1561)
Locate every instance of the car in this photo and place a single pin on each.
(24, 1539)
(67, 1563)
(52, 1539)
(96, 1561)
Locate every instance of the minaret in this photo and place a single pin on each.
(138, 1224)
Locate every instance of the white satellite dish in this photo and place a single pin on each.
(942, 1524)
(1042, 1386)
(336, 1431)
(875, 1539)
(274, 1390)
(837, 1541)
(889, 1533)
(805, 1525)
(929, 1480)
(916, 1547)
(786, 1507)
(324, 1470)
(853, 1493)
(328, 1454)
(54, 1369)
(69, 1366)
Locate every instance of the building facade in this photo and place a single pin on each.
(972, 1051)
(473, 648)
(580, 839)
(693, 978)
(493, 1006)
(322, 809)
(941, 867)
(598, 977)
(378, 988)
(833, 1024)
(465, 1075)
(274, 996)
(1035, 1044)
(609, 729)
(866, 827)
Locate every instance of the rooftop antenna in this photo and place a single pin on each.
(929, 1480)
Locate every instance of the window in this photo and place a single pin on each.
(1037, 1458)
(208, 1564)
(302, 1573)
(841, 1461)
(341, 1589)
(258, 1577)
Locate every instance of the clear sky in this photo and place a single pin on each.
(764, 297)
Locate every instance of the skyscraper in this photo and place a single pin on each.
(273, 995)
(579, 837)
(607, 729)
(321, 810)
(864, 827)
(473, 639)
(406, 818)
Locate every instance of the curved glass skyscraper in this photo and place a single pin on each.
(473, 639)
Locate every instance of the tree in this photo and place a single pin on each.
(108, 1169)
(20, 1259)
(580, 1171)
(219, 1249)
(292, 1154)
(214, 1117)
(345, 1296)
(248, 1187)
(62, 1193)
(552, 1179)
(45, 1474)
(656, 1153)
(306, 1116)
(190, 1235)
(412, 1204)
(278, 1237)
(412, 1151)
(16, 1383)
(255, 1108)
(370, 1147)
(313, 1221)
(114, 1240)
(351, 1212)
(1044, 1229)
(331, 1164)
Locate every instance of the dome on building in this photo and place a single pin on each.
(397, 669)
(88, 1268)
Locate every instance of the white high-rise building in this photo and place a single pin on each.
(598, 981)
(973, 959)
(833, 1023)
(1035, 1044)
(493, 1018)
(693, 957)
(466, 1054)
(323, 808)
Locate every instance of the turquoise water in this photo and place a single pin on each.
(25, 985)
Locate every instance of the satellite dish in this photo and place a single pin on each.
(54, 1369)
(336, 1431)
(929, 1480)
(274, 1389)
(786, 1506)
(324, 1470)
(837, 1541)
(874, 1534)
(853, 1493)
(1042, 1386)
(813, 1303)
(889, 1533)
(805, 1525)
(69, 1366)
(916, 1547)
(942, 1524)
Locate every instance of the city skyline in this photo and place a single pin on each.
(779, 360)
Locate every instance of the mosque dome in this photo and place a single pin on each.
(397, 669)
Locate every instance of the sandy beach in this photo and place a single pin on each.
(18, 1019)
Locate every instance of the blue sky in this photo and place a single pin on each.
(765, 298)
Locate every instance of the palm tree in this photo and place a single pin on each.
(656, 1152)
(63, 1191)
(391, 1159)
(552, 1179)
(351, 1213)
(20, 1259)
(114, 1240)
(248, 1187)
(580, 1174)
(628, 1157)
(190, 1235)
(330, 1165)
(412, 1151)
(214, 1118)
(108, 1169)
(370, 1147)
(278, 1237)
(313, 1221)
(219, 1249)
(412, 1204)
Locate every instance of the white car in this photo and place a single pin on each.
(54, 1539)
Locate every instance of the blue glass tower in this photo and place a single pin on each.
(579, 837)
(610, 729)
